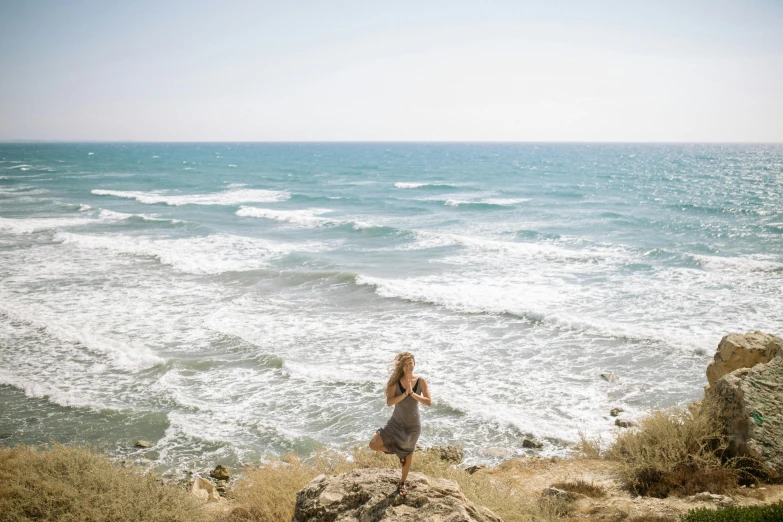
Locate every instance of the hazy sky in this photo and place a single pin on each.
(365, 71)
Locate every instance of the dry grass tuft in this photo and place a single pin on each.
(588, 447)
(77, 484)
(676, 452)
(582, 487)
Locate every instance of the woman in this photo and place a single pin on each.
(404, 391)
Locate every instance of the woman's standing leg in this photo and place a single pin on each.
(406, 467)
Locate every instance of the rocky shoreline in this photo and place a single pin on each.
(745, 381)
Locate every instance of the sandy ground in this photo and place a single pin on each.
(534, 474)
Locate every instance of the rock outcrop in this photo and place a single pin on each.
(371, 495)
(451, 454)
(221, 472)
(736, 351)
(205, 490)
(751, 405)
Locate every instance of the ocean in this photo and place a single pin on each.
(236, 302)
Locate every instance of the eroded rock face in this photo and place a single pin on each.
(448, 453)
(370, 495)
(737, 351)
(751, 402)
(205, 490)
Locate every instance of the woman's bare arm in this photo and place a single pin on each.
(391, 400)
(424, 397)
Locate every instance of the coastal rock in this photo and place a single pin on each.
(529, 443)
(470, 470)
(751, 409)
(143, 444)
(624, 423)
(706, 496)
(609, 377)
(614, 412)
(220, 472)
(205, 490)
(370, 495)
(560, 494)
(737, 351)
(448, 453)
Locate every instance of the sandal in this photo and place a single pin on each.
(403, 489)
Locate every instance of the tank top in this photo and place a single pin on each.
(406, 412)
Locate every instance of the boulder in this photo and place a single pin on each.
(205, 490)
(470, 470)
(624, 423)
(529, 443)
(706, 496)
(737, 351)
(220, 472)
(143, 444)
(751, 408)
(371, 495)
(609, 377)
(614, 412)
(447, 453)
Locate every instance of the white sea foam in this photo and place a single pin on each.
(84, 208)
(480, 245)
(505, 201)
(32, 225)
(44, 390)
(229, 197)
(502, 202)
(409, 185)
(739, 264)
(306, 217)
(123, 355)
(323, 372)
(22, 166)
(212, 254)
(364, 225)
(237, 185)
(110, 215)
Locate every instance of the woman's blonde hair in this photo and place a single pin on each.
(397, 370)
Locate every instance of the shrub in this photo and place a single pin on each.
(679, 451)
(588, 447)
(769, 513)
(76, 484)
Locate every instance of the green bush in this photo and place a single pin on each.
(769, 513)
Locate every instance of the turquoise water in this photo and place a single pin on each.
(231, 302)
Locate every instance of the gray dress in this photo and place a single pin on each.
(400, 434)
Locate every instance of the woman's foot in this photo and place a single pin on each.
(403, 489)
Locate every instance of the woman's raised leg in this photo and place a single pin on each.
(376, 444)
